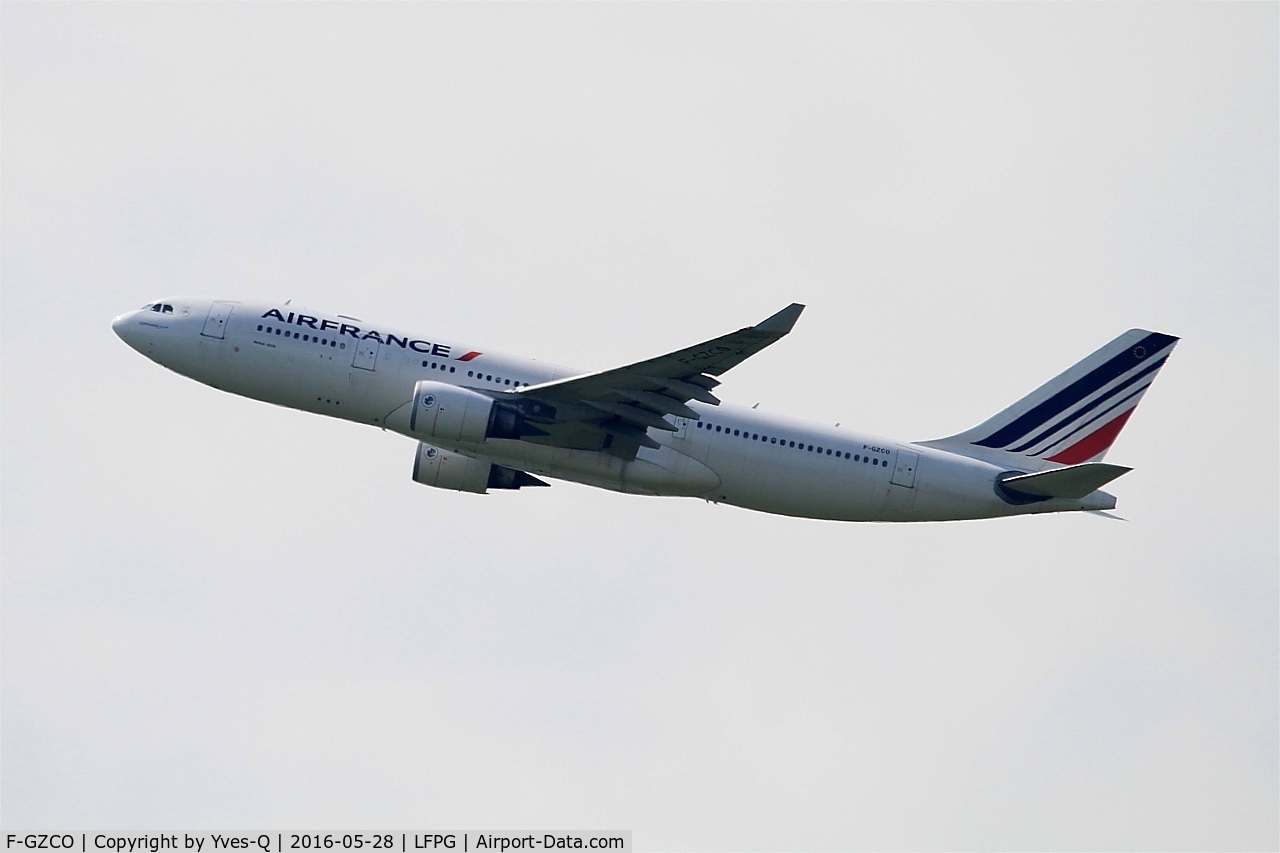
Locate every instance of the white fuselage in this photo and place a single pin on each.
(366, 373)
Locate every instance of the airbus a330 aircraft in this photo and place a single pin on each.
(484, 420)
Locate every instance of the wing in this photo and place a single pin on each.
(615, 409)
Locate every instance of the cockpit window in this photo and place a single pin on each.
(158, 307)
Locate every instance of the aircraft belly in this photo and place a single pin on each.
(814, 487)
(948, 488)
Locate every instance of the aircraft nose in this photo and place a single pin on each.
(126, 329)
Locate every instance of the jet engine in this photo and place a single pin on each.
(444, 470)
(451, 414)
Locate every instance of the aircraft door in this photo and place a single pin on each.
(366, 354)
(904, 469)
(216, 324)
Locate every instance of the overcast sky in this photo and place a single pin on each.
(222, 614)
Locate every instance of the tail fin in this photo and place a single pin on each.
(1074, 417)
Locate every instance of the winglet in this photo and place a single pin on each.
(782, 322)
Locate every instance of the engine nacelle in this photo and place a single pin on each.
(444, 470)
(450, 414)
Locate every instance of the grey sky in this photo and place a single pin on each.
(219, 613)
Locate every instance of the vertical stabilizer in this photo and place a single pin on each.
(1076, 416)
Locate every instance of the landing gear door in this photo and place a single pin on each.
(216, 324)
(904, 469)
(366, 354)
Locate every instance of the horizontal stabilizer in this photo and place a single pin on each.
(1073, 482)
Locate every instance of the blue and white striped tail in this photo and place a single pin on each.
(1075, 417)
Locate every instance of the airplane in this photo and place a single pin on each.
(485, 421)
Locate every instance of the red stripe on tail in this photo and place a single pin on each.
(1094, 443)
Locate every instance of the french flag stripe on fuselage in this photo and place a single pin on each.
(1086, 409)
(1060, 402)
